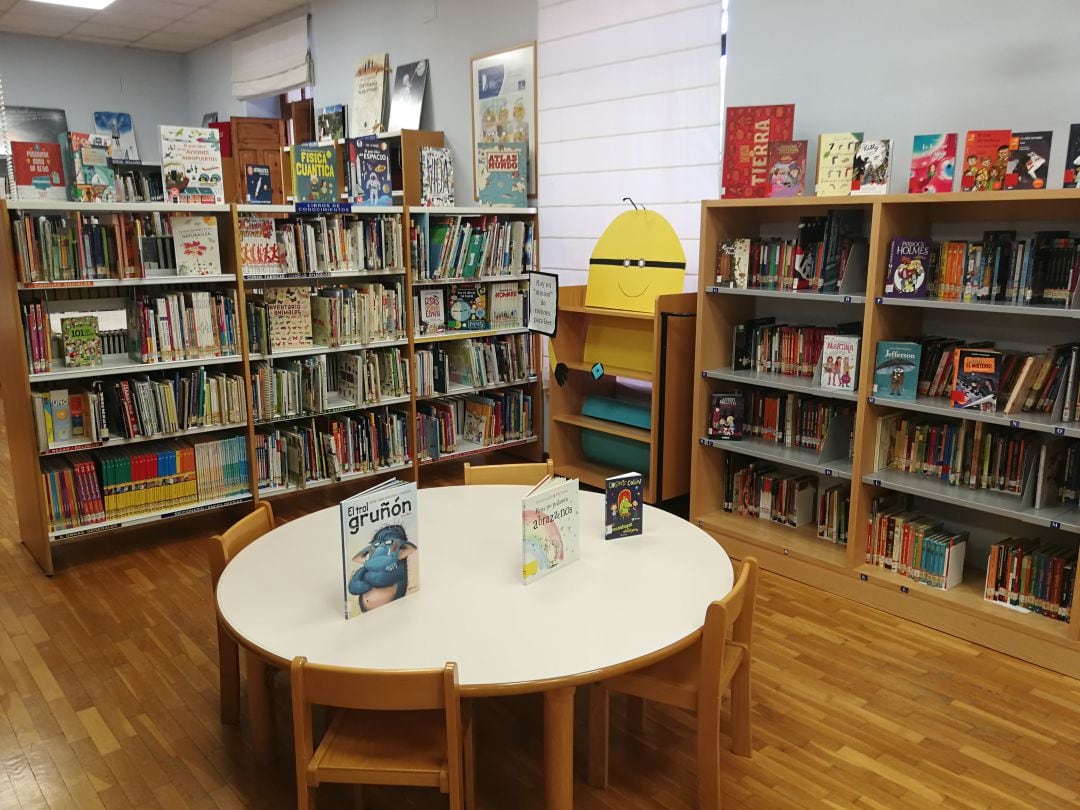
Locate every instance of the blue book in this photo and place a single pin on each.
(623, 505)
(258, 184)
(501, 174)
(369, 169)
(896, 370)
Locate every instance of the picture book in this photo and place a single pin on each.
(34, 124)
(89, 176)
(896, 370)
(975, 379)
(933, 163)
(502, 174)
(432, 310)
(836, 163)
(787, 168)
(1072, 158)
(1029, 160)
(549, 528)
(733, 263)
(407, 102)
(726, 417)
(748, 133)
(909, 268)
(259, 191)
(623, 505)
(870, 167)
(369, 159)
(986, 159)
(258, 246)
(82, 344)
(368, 115)
(840, 363)
(117, 127)
(290, 316)
(380, 554)
(191, 165)
(315, 173)
(436, 176)
(330, 124)
(39, 171)
(467, 305)
(195, 242)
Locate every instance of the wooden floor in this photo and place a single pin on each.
(108, 699)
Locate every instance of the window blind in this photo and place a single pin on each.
(272, 61)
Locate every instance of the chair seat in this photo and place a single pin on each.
(674, 680)
(383, 748)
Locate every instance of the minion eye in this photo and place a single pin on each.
(625, 262)
(640, 262)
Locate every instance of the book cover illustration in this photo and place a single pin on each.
(89, 176)
(896, 370)
(1072, 158)
(330, 124)
(933, 163)
(1029, 160)
(623, 505)
(370, 160)
(986, 159)
(60, 406)
(726, 417)
(259, 191)
(733, 264)
(975, 379)
(191, 165)
(840, 363)
(195, 242)
(909, 267)
(290, 316)
(432, 310)
(369, 95)
(836, 163)
(748, 133)
(82, 344)
(379, 546)
(467, 305)
(787, 168)
(315, 173)
(436, 176)
(117, 127)
(35, 124)
(501, 174)
(407, 103)
(870, 167)
(549, 528)
(259, 253)
(39, 171)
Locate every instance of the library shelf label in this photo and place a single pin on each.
(323, 208)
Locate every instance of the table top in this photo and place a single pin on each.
(622, 600)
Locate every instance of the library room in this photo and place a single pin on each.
(539, 405)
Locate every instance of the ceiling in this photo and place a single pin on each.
(161, 25)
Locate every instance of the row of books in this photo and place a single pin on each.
(474, 363)
(467, 247)
(792, 420)
(497, 417)
(764, 346)
(470, 305)
(914, 545)
(834, 513)
(187, 325)
(139, 186)
(319, 245)
(1033, 574)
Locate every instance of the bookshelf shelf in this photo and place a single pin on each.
(799, 543)
(78, 445)
(471, 211)
(431, 282)
(783, 382)
(121, 364)
(276, 491)
(603, 426)
(115, 207)
(600, 312)
(832, 298)
(150, 281)
(463, 334)
(800, 457)
(591, 472)
(150, 517)
(473, 449)
(610, 371)
(1039, 422)
(303, 351)
(993, 307)
(459, 390)
(301, 279)
(336, 404)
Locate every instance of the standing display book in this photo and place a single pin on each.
(749, 132)
(369, 171)
(896, 370)
(259, 191)
(380, 559)
(933, 163)
(501, 174)
(549, 527)
(195, 241)
(191, 165)
(840, 363)
(975, 379)
(623, 506)
(909, 268)
(315, 173)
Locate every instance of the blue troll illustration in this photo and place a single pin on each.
(383, 574)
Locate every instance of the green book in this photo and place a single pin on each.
(82, 345)
(472, 260)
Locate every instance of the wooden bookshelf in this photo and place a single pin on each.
(799, 553)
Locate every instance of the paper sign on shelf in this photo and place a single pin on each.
(543, 303)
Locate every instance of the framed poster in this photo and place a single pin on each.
(504, 103)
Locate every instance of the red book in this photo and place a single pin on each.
(39, 171)
(986, 160)
(748, 132)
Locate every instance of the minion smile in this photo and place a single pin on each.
(644, 290)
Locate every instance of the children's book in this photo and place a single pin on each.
(290, 316)
(870, 167)
(380, 555)
(748, 133)
(82, 344)
(502, 174)
(117, 127)
(315, 173)
(840, 363)
(89, 176)
(933, 163)
(330, 124)
(59, 404)
(986, 159)
(191, 165)
(896, 370)
(369, 95)
(259, 191)
(909, 268)
(467, 304)
(726, 417)
(436, 176)
(369, 159)
(733, 263)
(407, 102)
(787, 168)
(1072, 158)
(38, 170)
(1029, 160)
(550, 519)
(623, 505)
(258, 246)
(975, 379)
(432, 310)
(195, 242)
(836, 163)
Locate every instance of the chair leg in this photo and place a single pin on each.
(741, 742)
(358, 797)
(469, 757)
(635, 714)
(228, 677)
(599, 734)
(260, 710)
(708, 760)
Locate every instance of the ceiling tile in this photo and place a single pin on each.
(52, 11)
(38, 24)
(140, 9)
(109, 31)
(224, 18)
(100, 40)
(162, 41)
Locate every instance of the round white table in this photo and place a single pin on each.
(624, 604)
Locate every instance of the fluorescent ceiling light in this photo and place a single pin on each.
(95, 5)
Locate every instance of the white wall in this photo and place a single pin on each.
(81, 77)
(939, 66)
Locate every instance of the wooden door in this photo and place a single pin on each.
(258, 141)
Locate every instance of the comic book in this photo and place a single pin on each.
(975, 379)
(1029, 160)
(787, 168)
(82, 345)
(986, 160)
(726, 417)
(909, 268)
(896, 370)
(748, 133)
(933, 163)
(623, 505)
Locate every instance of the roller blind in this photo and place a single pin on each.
(272, 61)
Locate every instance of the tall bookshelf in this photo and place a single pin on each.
(988, 516)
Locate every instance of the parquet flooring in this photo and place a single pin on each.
(108, 700)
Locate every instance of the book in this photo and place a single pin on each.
(436, 176)
(369, 95)
(748, 133)
(89, 176)
(870, 167)
(191, 165)
(258, 246)
(896, 370)
(733, 262)
(986, 159)
(1029, 160)
(840, 363)
(549, 528)
(82, 346)
(315, 173)
(725, 417)
(502, 174)
(60, 408)
(975, 379)
(369, 162)
(259, 190)
(623, 505)
(1072, 158)
(289, 312)
(117, 127)
(432, 310)
(407, 101)
(909, 266)
(467, 306)
(379, 546)
(330, 124)
(933, 163)
(195, 242)
(787, 168)
(836, 163)
(39, 171)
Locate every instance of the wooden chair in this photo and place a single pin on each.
(390, 728)
(509, 473)
(694, 679)
(221, 549)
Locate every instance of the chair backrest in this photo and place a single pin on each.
(729, 621)
(509, 473)
(223, 547)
